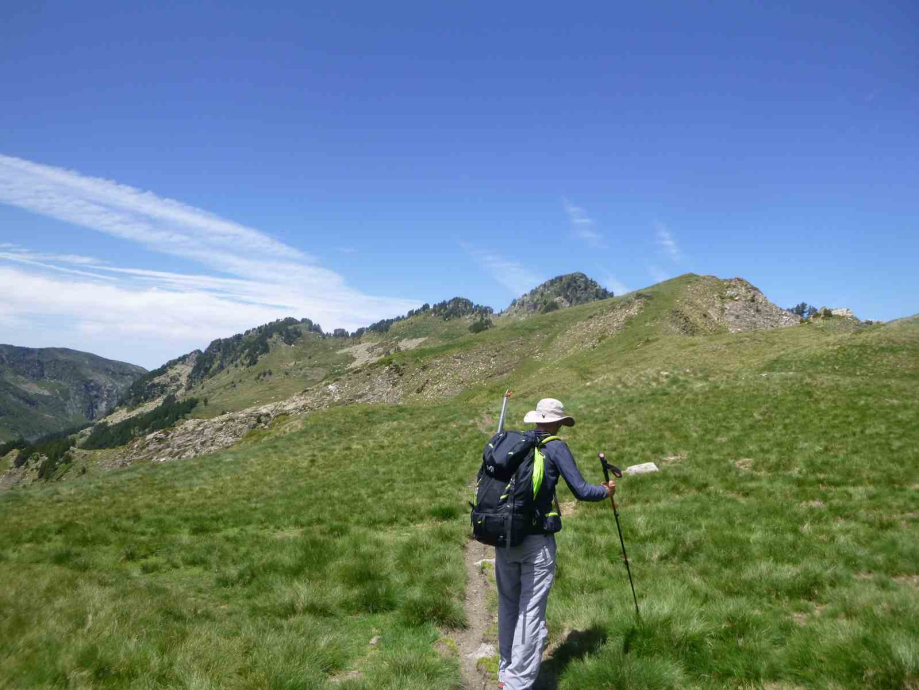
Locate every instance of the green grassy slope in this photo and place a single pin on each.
(776, 548)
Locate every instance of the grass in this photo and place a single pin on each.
(285, 371)
(777, 545)
(263, 554)
(775, 549)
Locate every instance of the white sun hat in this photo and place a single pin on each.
(548, 410)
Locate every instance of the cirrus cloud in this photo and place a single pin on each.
(147, 316)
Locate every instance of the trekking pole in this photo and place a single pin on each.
(607, 468)
(507, 396)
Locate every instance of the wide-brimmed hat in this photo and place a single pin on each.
(548, 410)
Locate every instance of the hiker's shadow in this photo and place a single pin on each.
(576, 645)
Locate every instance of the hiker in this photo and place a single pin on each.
(525, 572)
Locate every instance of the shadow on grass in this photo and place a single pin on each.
(577, 645)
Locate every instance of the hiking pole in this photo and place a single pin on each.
(507, 396)
(607, 468)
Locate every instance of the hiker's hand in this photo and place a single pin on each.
(610, 488)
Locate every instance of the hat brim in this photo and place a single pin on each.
(534, 417)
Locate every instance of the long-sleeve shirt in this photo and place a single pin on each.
(560, 462)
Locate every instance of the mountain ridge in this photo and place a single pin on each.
(420, 358)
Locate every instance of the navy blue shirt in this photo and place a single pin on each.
(560, 462)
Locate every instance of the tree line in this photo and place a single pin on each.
(246, 348)
(455, 308)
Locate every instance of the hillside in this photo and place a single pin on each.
(775, 548)
(289, 367)
(51, 389)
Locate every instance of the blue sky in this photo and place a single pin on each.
(172, 174)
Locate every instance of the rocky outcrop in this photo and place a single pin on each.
(712, 305)
(843, 312)
(747, 309)
(22, 475)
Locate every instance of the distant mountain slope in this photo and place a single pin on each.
(905, 321)
(559, 292)
(51, 389)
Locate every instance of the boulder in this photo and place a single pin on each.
(644, 468)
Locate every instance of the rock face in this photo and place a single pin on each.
(560, 292)
(51, 389)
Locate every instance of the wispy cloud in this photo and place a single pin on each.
(584, 226)
(666, 241)
(161, 224)
(21, 256)
(148, 311)
(511, 274)
(619, 288)
(658, 274)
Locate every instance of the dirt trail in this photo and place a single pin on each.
(472, 641)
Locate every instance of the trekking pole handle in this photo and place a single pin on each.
(607, 468)
(617, 473)
(507, 396)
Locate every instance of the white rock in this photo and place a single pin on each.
(843, 311)
(483, 652)
(644, 468)
(478, 564)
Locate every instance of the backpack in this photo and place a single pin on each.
(508, 490)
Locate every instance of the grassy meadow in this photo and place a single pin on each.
(777, 548)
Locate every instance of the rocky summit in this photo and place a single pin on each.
(559, 292)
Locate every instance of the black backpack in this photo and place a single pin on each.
(508, 490)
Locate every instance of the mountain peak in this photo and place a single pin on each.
(562, 291)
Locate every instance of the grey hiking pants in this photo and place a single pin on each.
(524, 574)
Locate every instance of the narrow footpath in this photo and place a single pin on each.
(477, 640)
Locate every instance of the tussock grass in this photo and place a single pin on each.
(269, 566)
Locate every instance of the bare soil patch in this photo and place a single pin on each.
(367, 353)
(910, 580)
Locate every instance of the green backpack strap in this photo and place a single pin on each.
(539, 468)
